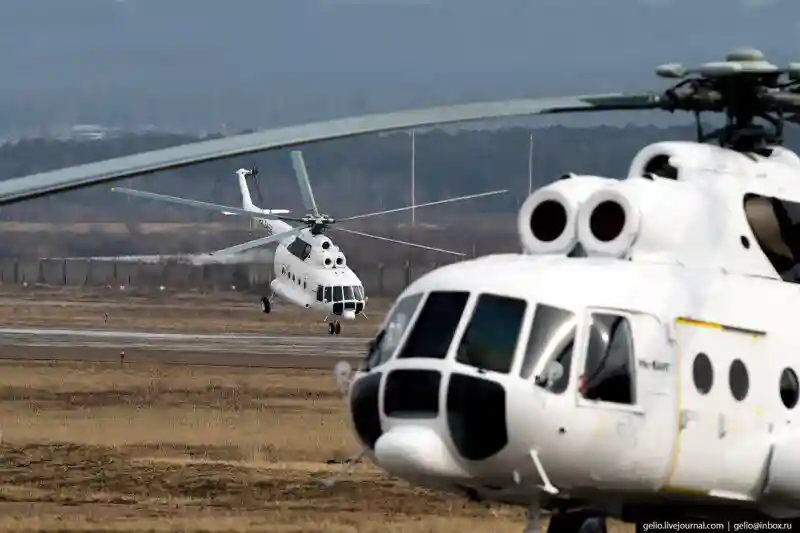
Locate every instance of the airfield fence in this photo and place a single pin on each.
(381, 280)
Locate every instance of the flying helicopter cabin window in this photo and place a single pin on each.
(609, 372)
(552, 339)
(436, 325)
(490, 340)
(775, 224)
(299, 248)
(328, 295)
(388, 339)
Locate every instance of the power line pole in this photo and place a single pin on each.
(413, 177)
(530, 165)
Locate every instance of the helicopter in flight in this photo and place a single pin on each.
(310, 271)
(635, 361)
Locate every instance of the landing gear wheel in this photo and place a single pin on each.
(577, 522)
(337, 328)
(266, 307)
(331, 328)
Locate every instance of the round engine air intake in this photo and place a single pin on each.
(607, 223)
(340, 261)
(546, 223)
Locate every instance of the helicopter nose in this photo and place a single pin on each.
(349, 314)
(413, 451)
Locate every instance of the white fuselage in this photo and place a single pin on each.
(642, 358)
(656, 441)
(311, 272)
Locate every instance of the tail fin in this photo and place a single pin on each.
(247, 202)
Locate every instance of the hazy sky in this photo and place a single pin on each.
(195, 64)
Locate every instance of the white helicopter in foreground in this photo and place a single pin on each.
(309, 270)
(638, 361)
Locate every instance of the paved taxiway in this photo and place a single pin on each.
(220, 349)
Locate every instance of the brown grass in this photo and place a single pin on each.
(98, 447)
(92, 447)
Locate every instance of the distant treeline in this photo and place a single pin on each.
(349, 176)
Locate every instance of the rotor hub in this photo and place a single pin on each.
(318, 224)
(753, 94)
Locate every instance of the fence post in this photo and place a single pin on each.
(407, 274)
(381, 288)
(64, 272)
(16, 270)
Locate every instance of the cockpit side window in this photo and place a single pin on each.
(436, 325)
(328, 294)
(552, 334)
(609, 372)
(299, 248)
(490, 340)
(319, 293)
(661, 167)
(775, 223)
(388, 339)
(359, 290)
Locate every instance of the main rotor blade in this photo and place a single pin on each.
(398, 242)
(255, 243)
(34, 185)
(224, 209)
(228, 210)
(428, 204)
(302, 180)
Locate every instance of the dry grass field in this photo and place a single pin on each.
(96, 447)
(143, 446)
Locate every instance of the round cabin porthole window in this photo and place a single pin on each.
(702, 373)
(738, 380)
(790, 389)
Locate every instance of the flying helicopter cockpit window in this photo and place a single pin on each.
(436, 325)
(388, 339)
(328, 294)
(490, 340)
(348, 293)
(299, 248)
(319, 293)
(337, 294)
(552, 339)
(609, 372)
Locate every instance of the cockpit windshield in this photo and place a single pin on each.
(348, 293)
(434, 329)
(337, 293)
(388, 338)
(490, 339)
